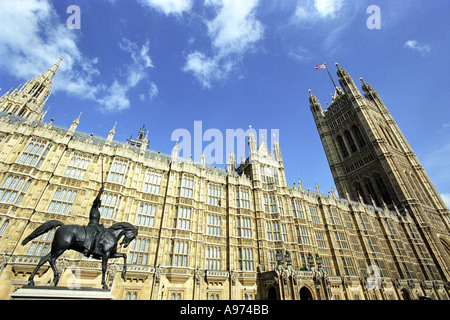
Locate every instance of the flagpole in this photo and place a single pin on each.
(330, 75)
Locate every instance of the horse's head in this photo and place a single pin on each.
(130, 235)
(127, 230)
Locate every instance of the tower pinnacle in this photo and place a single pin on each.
(28, 100)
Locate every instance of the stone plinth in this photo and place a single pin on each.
(60, 293)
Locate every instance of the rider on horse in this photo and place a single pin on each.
(94, 230)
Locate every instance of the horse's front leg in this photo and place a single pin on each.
(105, 258)
(124, 256)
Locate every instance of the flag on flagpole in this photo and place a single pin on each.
(322, 66)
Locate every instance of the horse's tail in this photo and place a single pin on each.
(49, 225)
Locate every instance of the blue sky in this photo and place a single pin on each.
(231, 64)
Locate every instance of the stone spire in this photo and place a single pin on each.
(29, 99)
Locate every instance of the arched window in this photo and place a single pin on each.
(371, 190)
(13, 190)
(62, 201)
(350, 141)
(3, 227)
(383, 190)
(359, 136)
(360, 191)
(342, 146)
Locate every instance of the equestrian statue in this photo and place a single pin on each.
(93, 240)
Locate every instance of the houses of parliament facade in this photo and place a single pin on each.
(238, 232)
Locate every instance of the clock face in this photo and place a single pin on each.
(269, 171)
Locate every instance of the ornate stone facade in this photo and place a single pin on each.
(204, 232)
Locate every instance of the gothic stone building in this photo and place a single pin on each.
(234, 233)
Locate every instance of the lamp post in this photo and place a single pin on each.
(288, 259)
(279, 258)
(279, 271)
(310, 259)
(319, 261)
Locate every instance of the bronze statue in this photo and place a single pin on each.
(94, 230)
(93, 239)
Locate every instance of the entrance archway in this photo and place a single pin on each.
(405, 294)
(305, 294)
(272, 294)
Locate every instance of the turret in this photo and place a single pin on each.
(252, 147)
(231, 163)
(370, 92)
(74, 125)
(277, 151)
(316, 107)
(347, 83)
(111, 134)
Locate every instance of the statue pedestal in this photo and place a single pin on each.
(60, 293)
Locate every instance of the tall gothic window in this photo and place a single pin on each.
(152, 182)
(77, 167)
(383, 190)
(342, 146)
(118, 172)
(182, 219)
(139, 249)
(214, 195)
(110, 205)
(34, 154)
(359, 136)
(244, 227)
(178, 256)
(62, 201)
(3, 227)
(213, 225)
(242, 198)
(213, 261)
(146, 215)
(245, 259)
(186, 187)
(13, 190)
(350, 141)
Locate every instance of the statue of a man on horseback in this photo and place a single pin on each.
(92, 240)
(94, 230)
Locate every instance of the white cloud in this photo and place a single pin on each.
(235, 28)
(33, 38)
(205, 69)
(328, 8)
(414, 45)
(233, 32)
(176, 7)
(309, 10)
(115, 98)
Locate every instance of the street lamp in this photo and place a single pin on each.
(310, 260)
(319, 261)
(288, 259)
(279, 258)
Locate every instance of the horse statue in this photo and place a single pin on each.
(73, 237)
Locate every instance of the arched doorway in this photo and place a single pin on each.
(305, 294)
(272, 294)
(405, 294)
